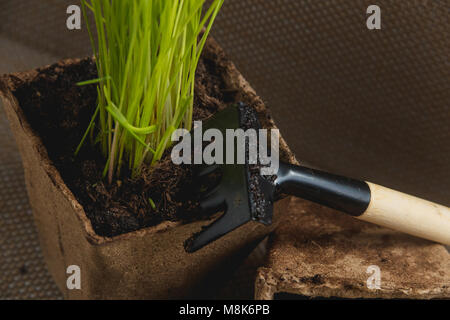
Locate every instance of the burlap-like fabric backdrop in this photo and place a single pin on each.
(369, 104)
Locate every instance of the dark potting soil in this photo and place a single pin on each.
(59, 111)
(260, 202)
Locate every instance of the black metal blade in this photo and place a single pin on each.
(242, 192)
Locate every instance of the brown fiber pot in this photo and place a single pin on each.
(146, 264)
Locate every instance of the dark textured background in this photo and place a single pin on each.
(373, 105)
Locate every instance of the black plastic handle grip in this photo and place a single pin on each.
(337, 192)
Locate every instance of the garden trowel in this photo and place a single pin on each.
(244, 195)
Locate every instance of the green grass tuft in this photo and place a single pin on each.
(147, 52)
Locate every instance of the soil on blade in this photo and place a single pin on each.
(59, 111)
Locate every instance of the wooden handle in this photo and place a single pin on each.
(408, 214)
(367, 201)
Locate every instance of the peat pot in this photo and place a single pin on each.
(149, 263)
